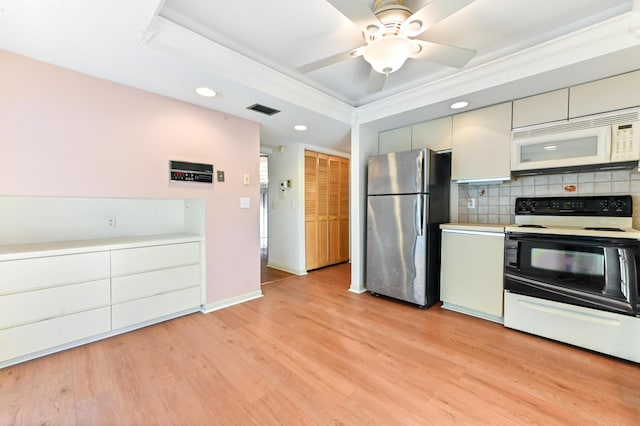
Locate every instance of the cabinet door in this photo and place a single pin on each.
(434, 134)
(482, 144)
(472, 271)
(609, 94)
(394, 140)
(543, 108)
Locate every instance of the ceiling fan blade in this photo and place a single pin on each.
(359, 13)
(376, 81)
(452, 56)
(432, 13)
(330, 60)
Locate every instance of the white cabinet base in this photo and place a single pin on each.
(46, 335)
(55, 296)
(141, 310)
(600, 331)
(472, 312)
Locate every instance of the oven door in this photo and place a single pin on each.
(599, 273)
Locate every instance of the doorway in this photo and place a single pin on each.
(264, 210)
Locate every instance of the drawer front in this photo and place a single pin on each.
(130, 261)
(26, 307)
(137, 286)
(20, 341)
(27, 274)
(588, 328)
(141, 310)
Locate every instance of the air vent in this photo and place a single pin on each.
(621, 117)
(263, 109)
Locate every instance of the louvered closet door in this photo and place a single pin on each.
(343, 213)
(326, 209)
(323, 209)
(311, 208)
(334, 210)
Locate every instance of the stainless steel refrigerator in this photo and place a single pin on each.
(407, 200)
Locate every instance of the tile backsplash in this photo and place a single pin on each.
(495, 202)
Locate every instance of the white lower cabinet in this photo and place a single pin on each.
(30, 306)
(45, 335)
(472, 268)
(139, 311)
(165, 287)
(57, 299)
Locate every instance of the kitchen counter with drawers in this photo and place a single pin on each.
(58, 295)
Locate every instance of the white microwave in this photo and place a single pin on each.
(576, 145)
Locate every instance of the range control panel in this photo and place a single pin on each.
(606, 205)
(190, 172)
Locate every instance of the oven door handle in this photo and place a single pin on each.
(575, 240)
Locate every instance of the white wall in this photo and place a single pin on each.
(286, 213)
(25, 220)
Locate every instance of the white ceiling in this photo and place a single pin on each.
(249, 51)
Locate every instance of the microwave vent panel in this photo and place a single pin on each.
(577, 124)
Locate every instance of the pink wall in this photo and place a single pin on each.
(63, 133)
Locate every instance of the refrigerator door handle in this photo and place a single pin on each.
(420, 215)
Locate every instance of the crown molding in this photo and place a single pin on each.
(168, 37)
(610, 36)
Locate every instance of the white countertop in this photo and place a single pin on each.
(478, 227)
(56, 248)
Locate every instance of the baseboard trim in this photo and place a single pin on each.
(357, 290)
(211, 307)
(285, 269)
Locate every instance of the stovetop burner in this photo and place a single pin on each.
(603, 228)
(531, 225)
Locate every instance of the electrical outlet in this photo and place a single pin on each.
(111, 222)
(471, 203)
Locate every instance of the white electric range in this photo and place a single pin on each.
(572, 272)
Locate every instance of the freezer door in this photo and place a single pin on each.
(397, 173)
(396, 246)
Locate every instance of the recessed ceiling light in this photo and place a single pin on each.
(300, 127)
(458, 105)
(206, 92)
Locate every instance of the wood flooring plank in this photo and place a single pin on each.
(312, 353)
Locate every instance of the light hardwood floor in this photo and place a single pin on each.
(310, 352)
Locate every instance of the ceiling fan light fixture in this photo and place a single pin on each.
(388, 54)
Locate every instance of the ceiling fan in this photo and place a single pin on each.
(388, 31)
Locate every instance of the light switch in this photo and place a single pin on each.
(245, 202)
(247, 179)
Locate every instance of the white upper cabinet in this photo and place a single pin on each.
(482, 144)
(433, 134)
(543, 108)
(394, 140)
(609, 94)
